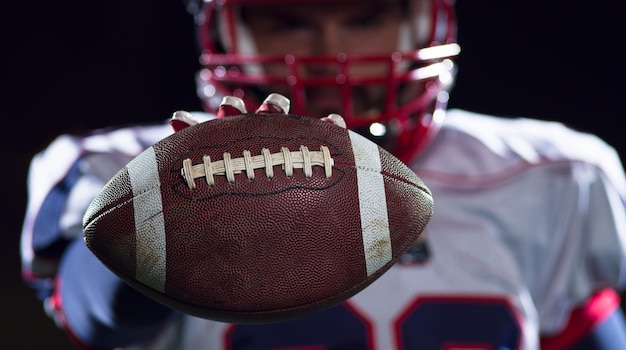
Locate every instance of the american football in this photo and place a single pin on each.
(257, 218)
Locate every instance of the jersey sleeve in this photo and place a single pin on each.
(586, 256)
(47, 227)
(607, 232)
(92, 305)
(601, 213)
(564, 222)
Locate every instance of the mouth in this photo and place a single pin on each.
(323, 101)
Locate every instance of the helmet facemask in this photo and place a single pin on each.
(389, 95)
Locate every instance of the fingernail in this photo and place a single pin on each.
(181, 120)
(230, 106)
(335, 119)
(275, 103)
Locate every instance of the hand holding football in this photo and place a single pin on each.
(257, 217)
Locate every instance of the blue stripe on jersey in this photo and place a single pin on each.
(610, 334)
(47, 238)
(101, 309)
(336, 328)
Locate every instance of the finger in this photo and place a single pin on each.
(181, 120)
(335, 119)
(230, 106)
(275, 103)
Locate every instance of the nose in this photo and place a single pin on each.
(327, 42)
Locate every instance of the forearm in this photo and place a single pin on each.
(98, 308)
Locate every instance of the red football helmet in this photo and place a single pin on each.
(410, 81)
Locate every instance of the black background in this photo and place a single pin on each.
(70, 65)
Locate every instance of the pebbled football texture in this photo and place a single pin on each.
(287, 215)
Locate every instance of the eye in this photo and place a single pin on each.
(286, 25)
(375, 17)
(369, 20)
(272, 21)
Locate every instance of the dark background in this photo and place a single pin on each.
(68, 66)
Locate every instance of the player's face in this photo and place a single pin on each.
(327, 29)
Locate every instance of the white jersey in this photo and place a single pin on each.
(528, 223)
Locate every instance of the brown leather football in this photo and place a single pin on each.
(257, 218)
